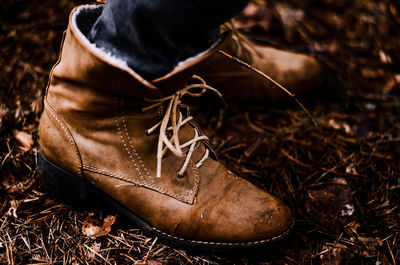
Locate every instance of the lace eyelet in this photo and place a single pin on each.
(179, 176)
(146, 132)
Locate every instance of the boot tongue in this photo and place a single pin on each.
(176, 81)
(180, 75)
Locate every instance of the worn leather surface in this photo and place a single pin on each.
(296, 72)
(93, 126)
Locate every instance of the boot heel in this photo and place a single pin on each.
(63, 185)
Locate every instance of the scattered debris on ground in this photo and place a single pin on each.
(342, 180)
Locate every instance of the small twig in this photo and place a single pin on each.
(95, 253)
(151, 247)
(251, 124)
(391, 253)
(249, 151)
(237, 60)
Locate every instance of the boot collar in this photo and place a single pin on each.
(81, 21)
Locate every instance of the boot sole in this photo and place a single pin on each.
(78, 192)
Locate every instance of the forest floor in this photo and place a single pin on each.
(342, 179)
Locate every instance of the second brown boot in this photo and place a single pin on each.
(296, 72)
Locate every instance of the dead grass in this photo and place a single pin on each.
(345, 192)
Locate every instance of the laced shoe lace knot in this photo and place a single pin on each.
(170, 123)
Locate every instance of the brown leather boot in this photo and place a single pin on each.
(296, 72)
(108, 134)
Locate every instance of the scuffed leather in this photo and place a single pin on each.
(93, 126)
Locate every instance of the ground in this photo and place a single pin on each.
(340, 176)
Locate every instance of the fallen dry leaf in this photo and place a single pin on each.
(333, 254)
(93, 227)
(351, 169)
(13, 185)
(24, 139)
(338, 126)
(12, 211)
(385, 58)
(92, 250)
(391, 83)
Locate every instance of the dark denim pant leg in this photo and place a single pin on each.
(153, 36)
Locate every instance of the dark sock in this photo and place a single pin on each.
(153, 36)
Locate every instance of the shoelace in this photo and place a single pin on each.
(173, 144)
(240, 40)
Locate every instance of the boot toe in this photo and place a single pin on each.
(268, 220)
(311, 75)
(298, 73)
(273, 223)
(246, 214)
